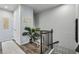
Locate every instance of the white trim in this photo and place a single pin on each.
(51, 51)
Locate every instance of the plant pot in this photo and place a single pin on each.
(31, 41)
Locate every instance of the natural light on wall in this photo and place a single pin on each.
(64, 8)
(6, 7)
(76, 11)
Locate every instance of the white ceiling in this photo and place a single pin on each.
(41, 7)
(8, 7)
(37, 7)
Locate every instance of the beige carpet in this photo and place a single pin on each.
(10, 47)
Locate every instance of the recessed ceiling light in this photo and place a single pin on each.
(6, 7)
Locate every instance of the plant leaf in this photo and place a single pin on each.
(33, 30)
(25, 33)
(28, 29)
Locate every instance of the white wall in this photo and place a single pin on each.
(6, 34)
(77, 12)
(16, 25)
(62, 20)
(27, 13)
(20, 14)
(36, 20)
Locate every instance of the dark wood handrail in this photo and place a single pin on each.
(54, 43)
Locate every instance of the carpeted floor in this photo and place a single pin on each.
(62, 50)
(0, 48)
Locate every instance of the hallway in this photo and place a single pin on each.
(32, 19)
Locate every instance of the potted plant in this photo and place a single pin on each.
(33, 33)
